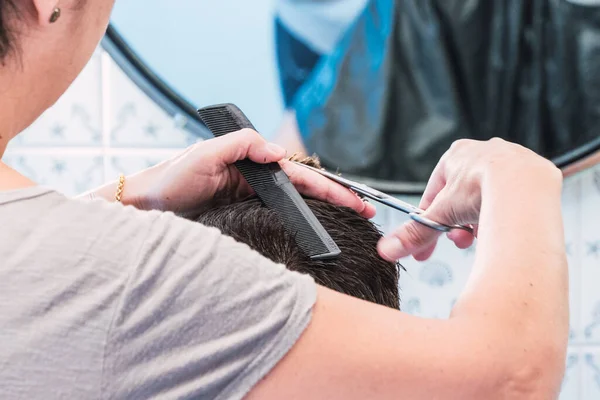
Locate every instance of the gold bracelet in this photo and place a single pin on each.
(120, 187)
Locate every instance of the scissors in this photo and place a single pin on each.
(413, 212)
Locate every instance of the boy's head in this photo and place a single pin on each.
(358, 271)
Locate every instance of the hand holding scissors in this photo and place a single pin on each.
(413, 212)
(469, 171)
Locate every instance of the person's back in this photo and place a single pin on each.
(98, 300)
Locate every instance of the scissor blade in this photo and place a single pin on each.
(367, 191)
(401, 205)
(342, 181)
(386, 199)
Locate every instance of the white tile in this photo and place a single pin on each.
(131, 164)
(571, 385)
(69, 175)
(136, 121)
(76, 118)
(590, 255)
(590, 375)
(571, 210)
(430, 288)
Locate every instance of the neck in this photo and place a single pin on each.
(6, 127)
(5, 131)
(12, 180)
(3, 143)
(9, 127)
(18, 107)
(23, 97)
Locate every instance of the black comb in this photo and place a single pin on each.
(273, 187)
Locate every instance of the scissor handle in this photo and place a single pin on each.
(436, 225)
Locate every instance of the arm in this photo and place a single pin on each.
(134, 186)
(203, 176)
(506, 337)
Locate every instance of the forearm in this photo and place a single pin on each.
(106, 192)
(518, 292)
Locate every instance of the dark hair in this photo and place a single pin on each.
(6, 8)
(358, 272)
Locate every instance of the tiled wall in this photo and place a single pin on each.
(102, 126)
(105, 125)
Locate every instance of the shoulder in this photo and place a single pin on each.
(108, 235)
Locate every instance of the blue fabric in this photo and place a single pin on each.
(295, 60)
(374, 26)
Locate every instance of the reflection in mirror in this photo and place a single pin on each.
(380, 89)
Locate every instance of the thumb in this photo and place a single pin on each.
(413, 238)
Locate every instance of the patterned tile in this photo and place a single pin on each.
(590, 375)
(76, 119)
(430, 289)
(571, 210)
(571, 387)
(590, 255)
(136, 121)
(132, 164)
(70, 175)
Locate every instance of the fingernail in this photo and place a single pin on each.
(276, 149)
(391, 248)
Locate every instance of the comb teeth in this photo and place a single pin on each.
(294, 220)
(257, 175)
(274, 188)
(222, 119)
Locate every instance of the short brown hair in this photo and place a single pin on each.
(358, 272)
(8, 8)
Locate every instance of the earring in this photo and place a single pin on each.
(55, 15)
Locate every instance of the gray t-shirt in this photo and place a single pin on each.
(98, 300)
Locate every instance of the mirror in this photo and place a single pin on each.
(207, 52)
(380, 89)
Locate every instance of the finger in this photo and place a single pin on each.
(369, 211)
(462, 239)
(424, 255)
(313, 185)
(410, 239)
(414, 238)
(246, 143)
(435, 184)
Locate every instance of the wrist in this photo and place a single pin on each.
(135, 191)
(519, 177)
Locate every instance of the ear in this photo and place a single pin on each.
(44, 10)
